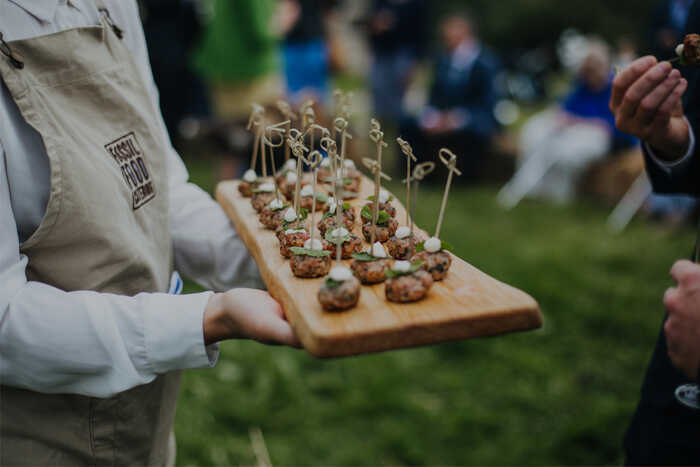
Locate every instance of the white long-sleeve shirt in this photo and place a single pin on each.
(84, 342)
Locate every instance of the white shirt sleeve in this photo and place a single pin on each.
(85, 342)
(207, 249)
(667, 166)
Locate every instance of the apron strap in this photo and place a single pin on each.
(13, 56)
(102, 8)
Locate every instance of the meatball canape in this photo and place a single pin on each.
(273, 214)
(250, 182)
(311, 260)
(307, 198)
(290, 220)
(329, 219)
(370, 266)
(436, 260)
(385, 199)
(348, 242)
(385, 228)
(262, 196)
(407, 282)
(340, 291)
(289, 167)
(689, 50)
(290, 238)
(399, 246)
(288, 185)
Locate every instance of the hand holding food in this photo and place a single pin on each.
(646, 102)
(246, 314)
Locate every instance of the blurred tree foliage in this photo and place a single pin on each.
(507, 24)
(238, 43)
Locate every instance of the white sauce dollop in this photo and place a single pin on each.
(276, 204)
(294, 231)
(290, 215)
(250, 176)
(679, 50)
(384, 196)
(291, 164)
(340, 274)
(267, 187)
(402, 266)
(403, 232)
(307, 191)
(315, 245)
(378, 250)
(326, 162)
(291, 177)
(432, 245)
(339, 233)
(349, 164)
(332, 204)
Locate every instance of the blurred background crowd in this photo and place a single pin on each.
(519, 90)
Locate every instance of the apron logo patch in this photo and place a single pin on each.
(129, 156)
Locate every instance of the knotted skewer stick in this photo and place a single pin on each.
(448, 158)
(313, 162)
(256, 119)
(376, 135)
(280, 131)
(329, 145)
(342, 106)
(287, 112)
(295, 140)
(408, 152)
(419, 173)
(340, 125)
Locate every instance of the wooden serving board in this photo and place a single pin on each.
(467, 304)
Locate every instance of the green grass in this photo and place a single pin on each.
(560, 395)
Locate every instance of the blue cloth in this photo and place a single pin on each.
(306, 67)
(586, 103)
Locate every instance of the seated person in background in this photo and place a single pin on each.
(558, 144)
(459, 113)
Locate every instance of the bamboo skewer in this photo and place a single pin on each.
(287, 112)
(275, 129)
(313, 162)
(255, 120)
(329, 145)
(419, 173)
(448, 158)
(408, 152)
(376, 135)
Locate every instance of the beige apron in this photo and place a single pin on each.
(105, 229)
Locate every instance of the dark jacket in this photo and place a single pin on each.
(685, 176)
(471, 90)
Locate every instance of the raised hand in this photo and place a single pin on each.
(646, 101)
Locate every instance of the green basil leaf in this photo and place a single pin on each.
(327, 215)
(364, 257)
(284, 206)
(336, 240)
(420, 247)
(382, 218)
(415, 266)
(308, 252)
(331, 284)
(371, 198)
